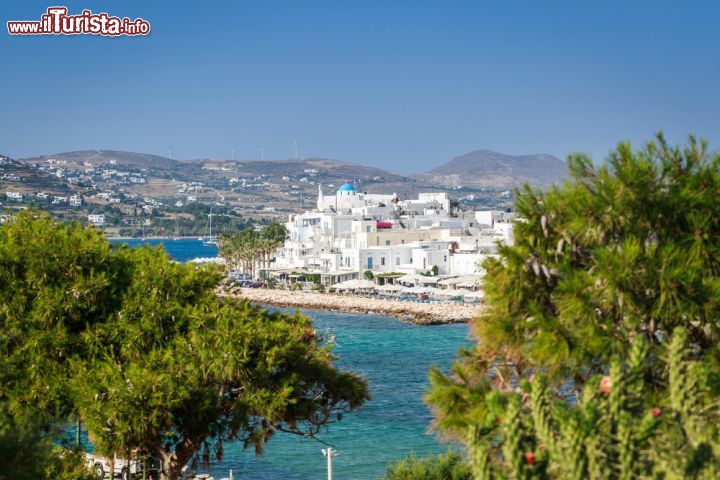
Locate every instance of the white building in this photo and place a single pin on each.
(75, 201)
(14, 196)
(97, 220)
(350, 232)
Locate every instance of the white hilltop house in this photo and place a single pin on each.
(351, 232)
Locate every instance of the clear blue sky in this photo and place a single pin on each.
(404, 85)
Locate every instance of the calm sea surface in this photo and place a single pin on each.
(182, 250)
(393, 356)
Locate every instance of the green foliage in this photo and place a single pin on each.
(611, 284)
(368, 275)
(249, 248)
(451, 466)
(435, 270)
(26, 455)
(625, 249)
(147, 355)
(619, 429)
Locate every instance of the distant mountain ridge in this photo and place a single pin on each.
(486, 168)
(102, 156)
(479, 168)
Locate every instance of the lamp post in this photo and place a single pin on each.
(329, 453)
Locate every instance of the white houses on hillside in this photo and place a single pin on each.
(350, 232)
(14, 196)
(97, 220)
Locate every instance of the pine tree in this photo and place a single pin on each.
(623, 251)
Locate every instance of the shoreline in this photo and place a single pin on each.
(414, 312)
(152, 238)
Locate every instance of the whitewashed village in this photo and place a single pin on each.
(376, 245)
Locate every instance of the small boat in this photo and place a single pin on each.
(210, 240)
(230, 477)
(177, 231)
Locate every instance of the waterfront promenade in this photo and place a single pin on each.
(415, 312)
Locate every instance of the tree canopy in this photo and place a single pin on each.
(249, 248)
(144, 352)
(25, 454)
(620, 253)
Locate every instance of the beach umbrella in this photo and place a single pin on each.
(450, 293)
(428, 280)
(389, 289)
(477, 295)
(354, 285)
(418, 290)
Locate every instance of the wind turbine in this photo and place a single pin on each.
(262, 153)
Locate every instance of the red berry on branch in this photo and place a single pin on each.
(605, 385)
(530, 457)
(656, 411)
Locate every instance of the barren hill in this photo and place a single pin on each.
(485, 168)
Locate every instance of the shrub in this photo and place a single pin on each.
(451, 466)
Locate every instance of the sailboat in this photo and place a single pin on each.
(210, 240)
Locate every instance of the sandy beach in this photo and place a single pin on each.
(419, 313)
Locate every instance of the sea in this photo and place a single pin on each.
(393, 356)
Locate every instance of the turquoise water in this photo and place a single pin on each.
(182, 249)
(394, 357)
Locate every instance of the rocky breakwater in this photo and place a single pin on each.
(415, 312)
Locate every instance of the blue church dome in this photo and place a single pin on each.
(346, 188)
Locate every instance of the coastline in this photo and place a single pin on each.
(418, 313)
(153, 238)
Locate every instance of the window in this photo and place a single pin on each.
(402, 242)
(387, 242)
(397, 260)
(382, 261)
(370, 262)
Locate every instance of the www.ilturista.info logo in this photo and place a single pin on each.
(56, 21)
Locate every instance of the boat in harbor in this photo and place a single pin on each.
(177, 231)
(209, 239)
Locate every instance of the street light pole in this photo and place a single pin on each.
(329, 453)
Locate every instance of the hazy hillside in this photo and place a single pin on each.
(486, 168)
(332, 170)
(105, 156)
